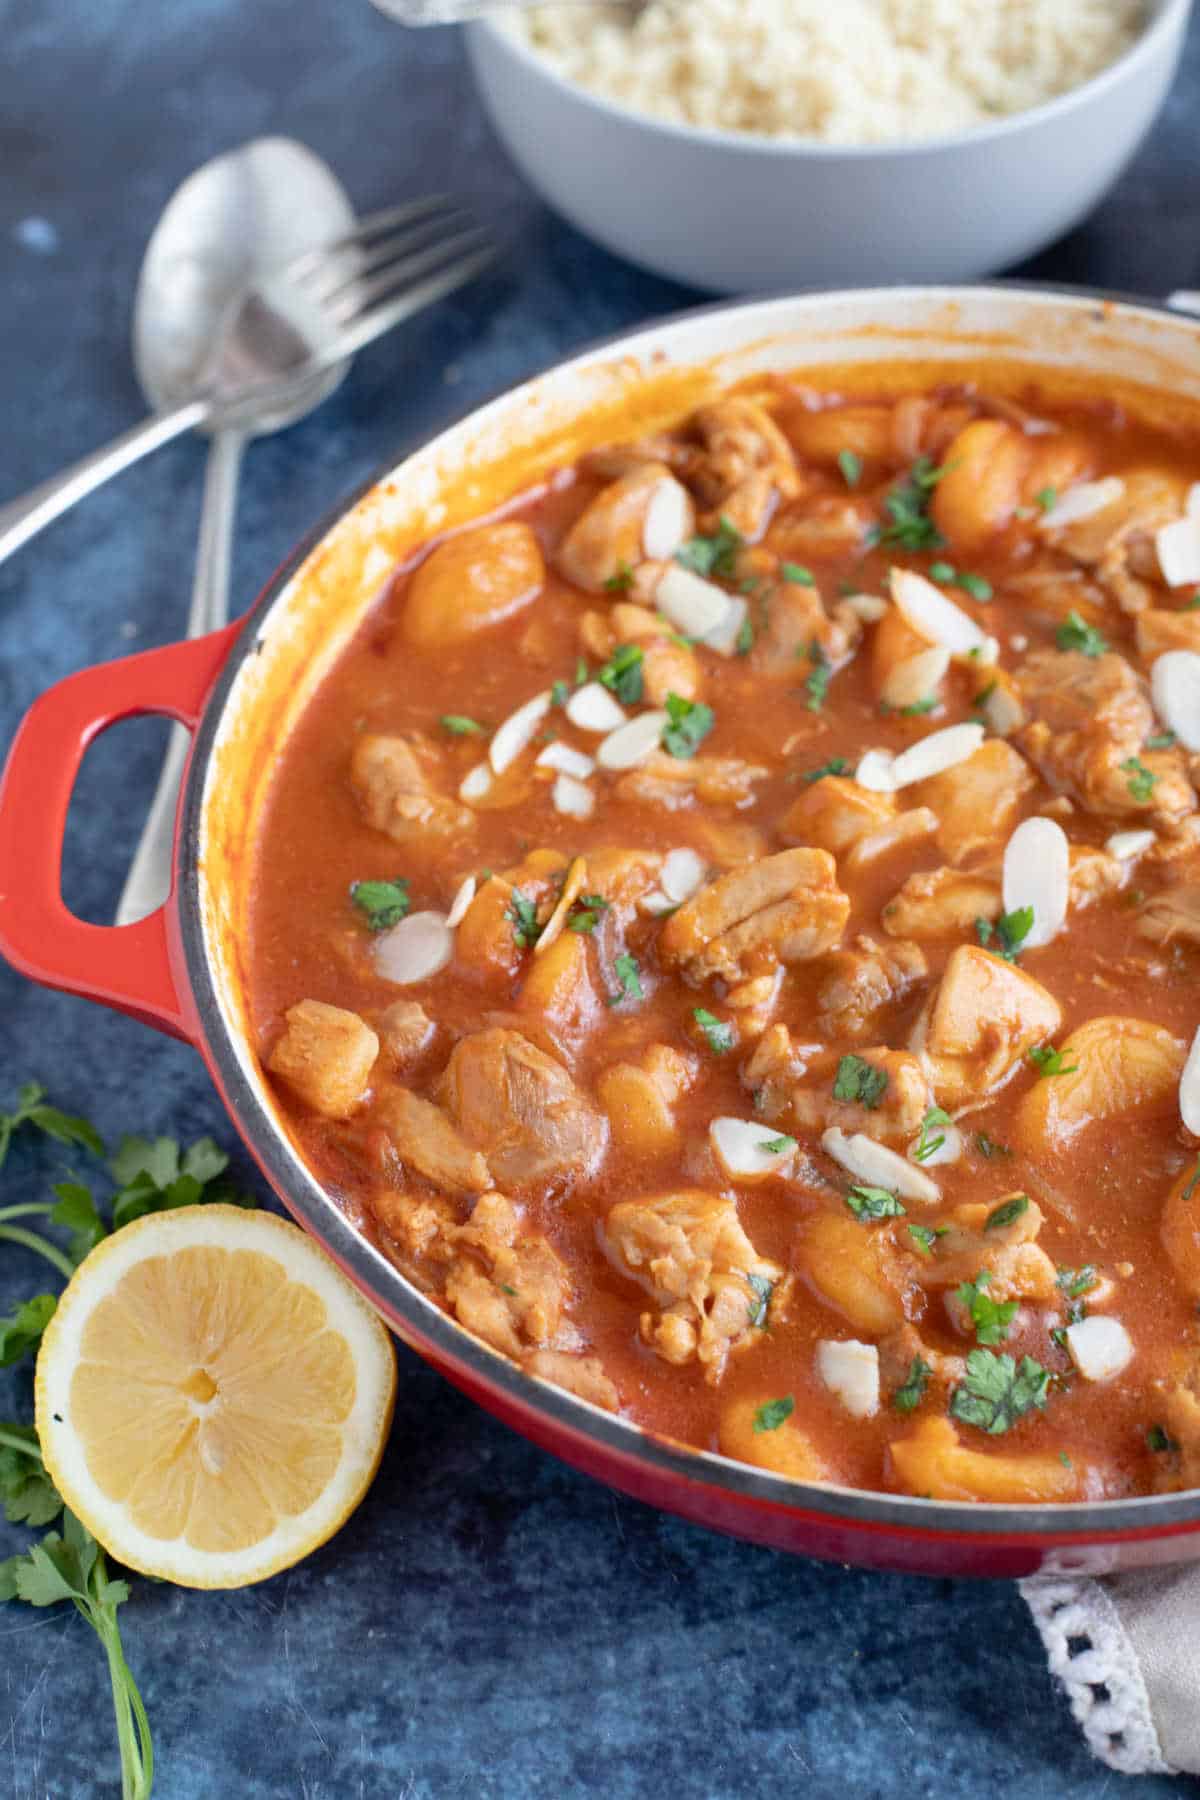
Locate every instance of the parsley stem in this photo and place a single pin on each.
(133, 1727)
(13, 1234)
(10, 1441)
(24, 1212)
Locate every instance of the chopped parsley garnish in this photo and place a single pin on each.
(458, 726)
(989, 1147)
(713, 555)
(1076, 634)
(585, 914)
(688, 724)
(1159, 1440)
(1007, 1213)
(858, 1080)
(909, 526)
(384, 903)
(621, 581)
(837, 765)
(762, 1289)
(991, 1318)
(907, 1398)
(1193, 603)
(874, 1203)
(778, 1146)
(1009, 932)
(817, 683)
(559, 693)
(1141, 779)
(924, 1237)
(772, 1413)
(919, 707)
(926, 1144)
(625, 968)
(850, 463)
(797, 573)
(718, 1033)
(1190, 1189)
(1076, 1282)
(949, 576)
(1049, 1061)
(984, 695)
(622, 674)
(1047, 498)
(522, 916)
(1162, 741)
(744, 641)
(996, 1391)
(581, 671)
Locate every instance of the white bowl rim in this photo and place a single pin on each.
(1170, 14)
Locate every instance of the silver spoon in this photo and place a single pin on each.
(229, 225)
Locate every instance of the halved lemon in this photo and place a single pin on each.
(213, 1396)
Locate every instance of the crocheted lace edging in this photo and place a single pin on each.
(1090, 1653)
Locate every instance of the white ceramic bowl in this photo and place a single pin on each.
(741, 213)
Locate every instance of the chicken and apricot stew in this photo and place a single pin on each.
(729, 930)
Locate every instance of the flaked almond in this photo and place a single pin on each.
(567, 760)
(414, 949)
(592, 708)
(1082, 501)
(743, 1149)
(851, 1371)
(1191, 505)
(932, 616)
(1126, 846)
(870, 608)
(460, 903)
(934, 754)
(1178, 549)
(1189, 1089)
(1100, 1347)
(668, 520)
(517, 733)
(656, 902)
(574, 799)
(573, 885)
(689, 603)
(916, 679)
(475, 783)
(683, 871)
(878, 1166)
(633, 743)
(1037, 873)
(1175, 687)
(724, 637)
(877, 771)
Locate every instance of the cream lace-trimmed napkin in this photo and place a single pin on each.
(1127, 1650)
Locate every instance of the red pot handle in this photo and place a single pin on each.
(131, 967)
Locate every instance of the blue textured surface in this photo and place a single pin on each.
(489, 1624)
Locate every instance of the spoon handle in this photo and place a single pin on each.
(24, 518)
(149, 879)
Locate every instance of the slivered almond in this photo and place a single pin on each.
(1175, 687)
(876, 771)
(934, 754)
(867, 607)
(475, 783)
(932, 616)
(683, 871)
(567, 760)
(689, 603)
(1037, 873)
(1189, 1088)
(668, 520)
(724, 637)
(1192, 503)
(414, 949)
(1178, 549)
(1082, 501)
(573, 885)
(878, 1166)
(574, 799)
(851, 1371)
(633, 743)
(461, 901)
(739, 1147)
(915, 679)
(592, 708)
(517, 732)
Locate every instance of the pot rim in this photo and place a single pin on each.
(423, 1325)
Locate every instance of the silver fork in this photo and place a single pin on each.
(318, 309)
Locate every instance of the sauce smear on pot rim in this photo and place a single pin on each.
(653, 949)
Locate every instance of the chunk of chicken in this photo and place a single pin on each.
(1118, 542)
(1160, 631)
(416, 1223)
(608, 537)
(394, 781)
(405, 1030)
(325, 1055)
(941, 903)
(668, 665)
(1018, 1266)
(471, 581)
(786, 1450)
(583, 1376)
(905, 832)
(980, 1024)
(1113, 1068)
(786, 909)
(981, 486)
(487, 941)
(507, 1288)
(521, 1108)
(639, 1099)
(425, 1140)
(892, 1117)
(822, 525)
(1090, 725)
(1173, 916)
(690, 1253)
(795, 620)
(746, 465)
(673, 781)
(862, 982)
(977, 802)
(835, 812)
(933, 1461)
